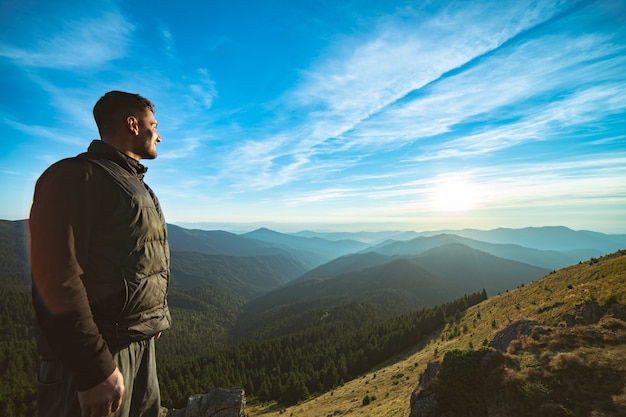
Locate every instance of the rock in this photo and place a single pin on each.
(569, 319)
(216, 403)
(432, 369)
(618, 311)
(503, 338)
(423, 402)
(424, 398)
(590, 312)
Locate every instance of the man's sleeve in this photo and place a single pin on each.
(61, 221)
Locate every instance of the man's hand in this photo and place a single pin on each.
(103, 399)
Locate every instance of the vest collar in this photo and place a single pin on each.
(120, 158)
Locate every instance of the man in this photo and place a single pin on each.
(100, 265)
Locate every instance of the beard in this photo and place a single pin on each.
(145, 146)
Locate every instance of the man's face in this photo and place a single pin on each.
(144, 144)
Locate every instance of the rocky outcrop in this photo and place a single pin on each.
(423, 399)
(428, 401)
(216, 403)
(591, 312)
(503, 338)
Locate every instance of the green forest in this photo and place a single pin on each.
(337, 345)
(19, 361)
(289, 368)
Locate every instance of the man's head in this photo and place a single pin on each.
(126, 121)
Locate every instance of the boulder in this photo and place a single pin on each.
(423, 402)
(503, 338)
(218, 402)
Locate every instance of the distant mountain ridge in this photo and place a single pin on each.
(219, 242)
(466, 269)
(316, 250)
(544, 258)
(311, 252)
(308, 254)
(399, 284)
(557, 238)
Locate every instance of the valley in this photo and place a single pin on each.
(355, 315)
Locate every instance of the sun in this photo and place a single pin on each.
(453, 194)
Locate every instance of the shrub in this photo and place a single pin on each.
(535, 391)
(610, 300)
(464, 381)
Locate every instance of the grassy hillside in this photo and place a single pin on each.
(386, 391)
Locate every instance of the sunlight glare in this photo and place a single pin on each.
(454, 193)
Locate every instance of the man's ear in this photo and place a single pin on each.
(133, 125)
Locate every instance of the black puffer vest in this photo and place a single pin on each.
(127, 273)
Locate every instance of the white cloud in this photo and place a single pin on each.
(46, 132)
(360, 78)
(167, 37)
(544, 123)
(77, 42)
(181, 148)
(203, 90)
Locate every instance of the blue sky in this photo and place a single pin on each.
(334, 115)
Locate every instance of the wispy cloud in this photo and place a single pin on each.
(169, 47)
(547, 122)
(77, 42)
(365, 113)
(501, 88)
(491, 187)
(359, 80)
(203, 90)
(46, 132)
(182, 149)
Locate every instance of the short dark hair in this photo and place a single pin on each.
(111, 111)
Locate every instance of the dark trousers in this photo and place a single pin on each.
(57, 395)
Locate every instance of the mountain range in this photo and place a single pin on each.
(280, 277)
(263, 285)
(255, 263)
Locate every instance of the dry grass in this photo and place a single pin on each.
(545, 301)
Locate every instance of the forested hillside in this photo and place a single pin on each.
(195, 355)
(251, 313)
(248, 276)
(291, 367)
(18, 357)
(571, 365)
(14, 268)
